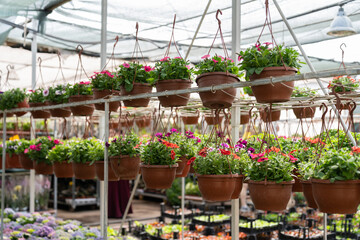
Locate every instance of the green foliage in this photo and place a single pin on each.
(172, 68)
(174, 192)
(303, 92)
(337, 165)
(58, 94)
(248, 90)
(159, 153)
(23, 144)
(81, 88)
(38, 96)
(127, 73)
(105, 80)
(97, 151)
(60, 153)
(192, 188)
(343, 84)
(12, 146)
(125, 145)
(39, 150)
(188, 143)
(216, 64)
(338, 138)
(306, 170)
(9, 99)
(82, 150)
(256, 58)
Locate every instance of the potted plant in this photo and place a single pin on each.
(97, 151)
(105, 84)
(303, 112)
(59, 95)
(158, 164)
(12, 158)
(173, 74)
(335, 181)
(13, 98)
(190, 116)
(269, 116)
(343, 85)
(215, 171)
(25, 160)
(59, 156)
(37, 99)
(306, 170)
(81, 91)
(270, 179)
(124, 152)
(82, 159)
(214, 71)
(143, 121)
(211, 118)
(38, 154)
(262, 61)
(135, 79)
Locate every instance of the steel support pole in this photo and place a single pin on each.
(3, 175)
(55, 194)
(104, 194)
(182, 206)
(314, 71)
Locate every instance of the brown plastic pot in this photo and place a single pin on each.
(7, 115)
(270, 196)
(138, 88)
(307, 188)
(13, 161)
(113, 106)
(297, 187)
(143, 121)
(26, 162)
(173, 84)
(82, 110)
(216, 187)
(158, 176)
(43, 168)
(127, 122)
(40, 113)
(238, 186)
(340, 197)
(220, 98)
(190, 119)
(22, 104)
(63, 170)
(277, 92)
(181, 171)
(305, 112)
(244, 118)
(125, 167)
(274, 116)
(60, 112)
(99, 168)
(84, 170)
(212, 120)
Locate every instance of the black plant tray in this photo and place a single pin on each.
(252, 231)
(330, 236)
(211, 224)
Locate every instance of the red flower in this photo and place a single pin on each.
(235, 156)
(262, 159)
(173, 154)
(191, 160)
(203, 152)
(225, 152)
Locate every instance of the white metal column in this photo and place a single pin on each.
(3, 176)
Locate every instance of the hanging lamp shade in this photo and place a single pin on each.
(341, 26)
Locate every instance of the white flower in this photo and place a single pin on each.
(58, 92)
(15, 147)
(63, 91)
(46, 92)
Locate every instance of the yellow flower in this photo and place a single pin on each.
(17, 188)
(15, 137)
(14, 197)
(70, 183)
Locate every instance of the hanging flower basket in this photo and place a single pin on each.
(211, 119)
(173, 84)
(63, 170)
(308, 193)
(26, 162)
(84, 170)
(82, 110)
(143, 121)
(297, 187)
(219, 98)
(158, 176)
(22, 104)
(58, 95)
(238, 186)
(304, 112)
(270, 196)
(60, 112)
(270, 117)
(40, 113)
(190, 119)
(43, 168)
(138, 88)
(99, 167)
(98, 94)
(127, 122)
(125, 167)
(182, 170)
(341, 197)
(244, 118)
(216, 187)
(13, 161)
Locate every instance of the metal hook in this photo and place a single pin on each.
(217, 16)
(116, 40)
(80, 49)
(341, 47)
(174, 21)
(40, 61)
(9, 67)
(323, 105)
(137, 29)
(352, 106)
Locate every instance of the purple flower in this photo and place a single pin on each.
(198, 140)
(251, 150)
(189, 133)
(174, 130)
(44, 231)
(225, 145)
(159, 135)
(220, 134)
(114, 140)
(228, 140)
(168, 134)
(107, 144)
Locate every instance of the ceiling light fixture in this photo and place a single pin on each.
(341, 26)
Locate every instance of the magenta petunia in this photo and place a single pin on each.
(205, 56)
(147, 68)
(215, 61)
(126, 65)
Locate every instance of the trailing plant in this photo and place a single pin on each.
(255, 58)
(124, 145)
(81, 150)
(303, 92)
(39, 150)
(216, 64)
(306, 170)
(172, 68)
(343, 84)
(160, 152)
(38, 96)
(105, 80)
(60, 153)
(58, 94)
(23, 144)
(97, 151)
(128, 73)
(9, 99)
(81, 88)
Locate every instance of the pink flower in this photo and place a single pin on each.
(205, 56)
(239, 58)
(229, 59)
(222, 58)
(49, 138)
(188, 67)
(84, 83)
(126, 65)
(32, 91)
(164, 59)
(56, 141)
(215, 61)
(107, 73)
(267, 43)
(177, 57)
(32, 147)
(147, 68)
(258, 47)
(46, 92)
(26, 150)
(262, 159)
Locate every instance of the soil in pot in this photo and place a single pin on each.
(213, 120)
(63, 170)
(340, 197)
(272, 117)
(60, 112)
(84, 170)
(82, 110)
(305, 112)
(158, 176)
(13, 161)
(238, 186)
(173, 84)
(40, 113)
(26, 162)
(307, 188)
(143, 121)
(220, 98)
(113, 106)
(216, 187)
(277, 92)
(125, 167)
(99, 168)
(244, 118)
(43, 168)
(22, 104)
(138, 88)
(270, 196)
(190, 119)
